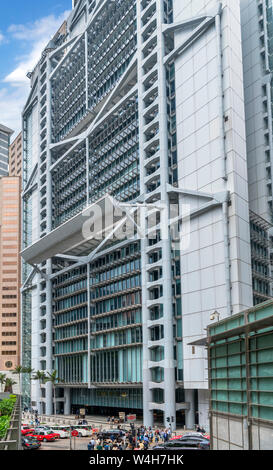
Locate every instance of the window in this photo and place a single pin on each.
(8, 364)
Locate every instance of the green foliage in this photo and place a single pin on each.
(6, 408)
(4, 424)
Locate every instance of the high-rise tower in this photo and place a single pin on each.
(136, 105)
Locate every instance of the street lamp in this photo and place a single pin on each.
(215, 315)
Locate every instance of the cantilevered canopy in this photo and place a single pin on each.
(81, 235)
(199, 342)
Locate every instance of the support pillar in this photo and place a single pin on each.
(67, 401)
(190, 413)
(48, 344)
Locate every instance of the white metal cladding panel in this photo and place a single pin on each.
(35, 136)
(230, 433)
(235, 433)
(35, 216)
(200, 168)
(191, 8)
(203, 409)
(255, 438)
(265, 437)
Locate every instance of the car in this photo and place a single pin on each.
(191, 435)
(173, 448)
(44, 428)
(30, 443)
(43, 436)
(26, 430)
(194, 438)
(203, 445)
(63, 433)
(107, 433)
(188, 444)
(47, 431)
(81, 431)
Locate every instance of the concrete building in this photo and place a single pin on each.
(16, 156)
(261, 258)
(257, 33)
(5, 134)
(10, 271)
(241, 380)
(136, 105)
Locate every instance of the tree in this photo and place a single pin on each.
(28, 370)
(54, 379)
(19, 370)
(8, 385)
(41, 377)
(2, 380)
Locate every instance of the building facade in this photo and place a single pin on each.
(257, 34)
(10, 271)
(16, 156)
(136, 105)
(261, 258)
(5, 134)
(241, 380)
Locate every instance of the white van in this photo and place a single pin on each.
(62, 430)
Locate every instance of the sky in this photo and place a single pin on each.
(26, 26)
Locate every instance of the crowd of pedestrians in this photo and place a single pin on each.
(140, 438)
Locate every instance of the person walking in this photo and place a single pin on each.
(146, 442)
(141, 446)
(91, 445)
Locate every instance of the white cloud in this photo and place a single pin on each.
(36, 36)
(16, 86)
(1, 37)
(11, 104)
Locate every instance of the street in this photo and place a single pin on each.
(77, 443)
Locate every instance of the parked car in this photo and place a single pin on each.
(63, 432)
(43, 428)
(199, 441)
(43, 436)
(194, 438)
(107, 433)
(203, 445)
(26, 430)
(81, 431)
(191, 435)
(30, 443)
(183, 444)
(48, 431)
